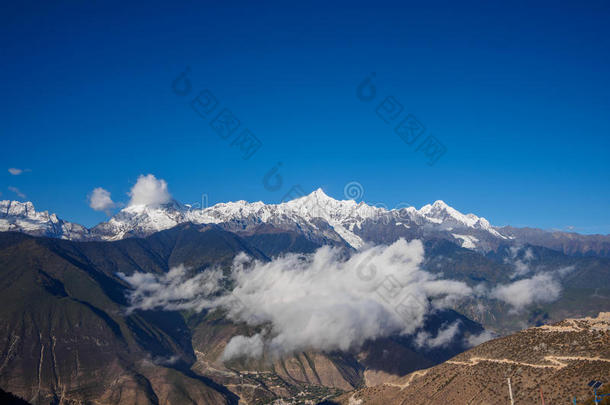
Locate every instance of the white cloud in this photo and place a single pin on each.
(325, 301)
(475, 340)
(243, 346)
(321, 301)
(149, 191)
(444, 336)
(17, 191)
(521, 269)
(564, 271)
(541, 288)
(175, 290)
(522, 265)
(14, 171)
(166, 361)
(100, 200)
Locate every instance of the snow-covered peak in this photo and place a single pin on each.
(22, 217)
(317, 204)
(439, 205)
(319, 194)
(440, 212)
(137, 209)
(24, 210)
(342, 215)
(141, 220)
(316, 215)
(347, 218)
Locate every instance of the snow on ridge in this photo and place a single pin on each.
(467, 241)
(345, 217)
(22, 217)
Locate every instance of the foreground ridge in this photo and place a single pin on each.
(559, 359)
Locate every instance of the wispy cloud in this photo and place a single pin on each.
(17, 191)
(542, 287)
(539, 289)
(176, 290)
(444, 336)
(16, 171)
(521, 258)
(475, 340)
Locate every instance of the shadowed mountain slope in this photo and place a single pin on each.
(65, 334)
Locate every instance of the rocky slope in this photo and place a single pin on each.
(559, 359)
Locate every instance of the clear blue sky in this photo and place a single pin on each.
(518, 93)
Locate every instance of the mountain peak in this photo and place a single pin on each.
(171, 205)
(19, 209)
(21, 216)
(440, 204)
(436, 207)
(316, 199)
(320, 194)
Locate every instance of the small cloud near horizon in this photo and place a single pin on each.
(16, 171)
(17, 191)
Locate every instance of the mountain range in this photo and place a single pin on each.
(312, 221)
(70, 333)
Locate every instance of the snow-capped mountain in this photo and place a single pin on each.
(22, 217)
(140, 220)
(317, 217)
(314, 214)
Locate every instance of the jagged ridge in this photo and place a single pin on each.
(318, 217)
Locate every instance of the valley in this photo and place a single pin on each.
(71, 334)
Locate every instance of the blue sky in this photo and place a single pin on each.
(519, 95)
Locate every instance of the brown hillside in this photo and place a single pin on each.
(559, 358)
